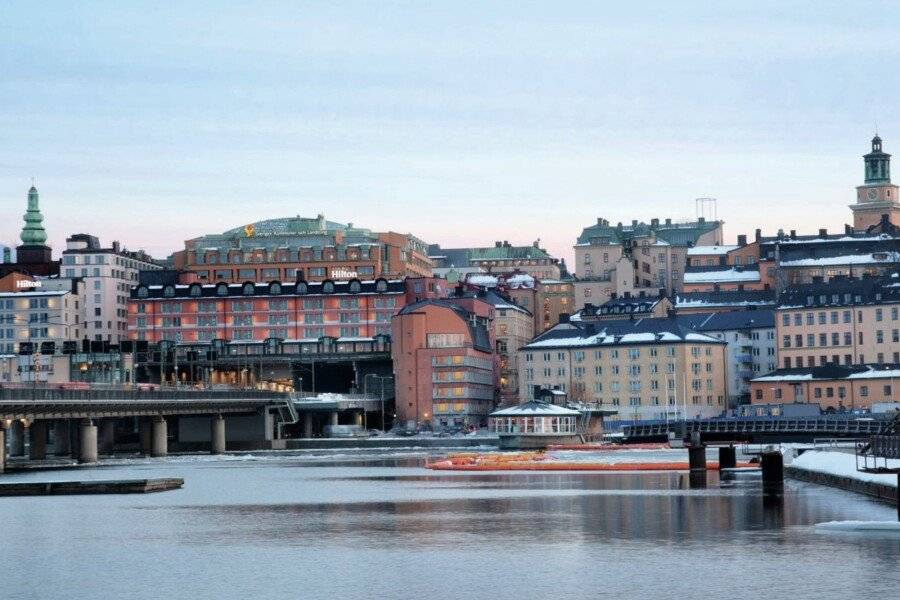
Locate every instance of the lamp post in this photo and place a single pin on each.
(381, 379)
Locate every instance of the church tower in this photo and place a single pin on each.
(877, 196)
(34, 249)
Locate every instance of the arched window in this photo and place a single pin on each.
(381, 285)
(196, 290)
(328, 287)
(222, 289)
(301, 287)
(142, 291)
(248, 289)
(355, 286)
(169, 291)
(274, 288)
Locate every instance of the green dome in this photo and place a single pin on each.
(33, 233)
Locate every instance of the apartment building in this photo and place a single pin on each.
(445, 366)
(617, 259)
(645, 368)
(838, 387)
(43, 319)
(546, 299)
(502, 257)
(109, 275)
(845, 321)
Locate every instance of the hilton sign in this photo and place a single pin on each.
(342, 273)
(27, 284)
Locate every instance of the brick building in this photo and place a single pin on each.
(836, 387)
(502, 257)
(445, 366)
(256, 311)
(301, 248)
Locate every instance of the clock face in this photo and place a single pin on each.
(872, 193)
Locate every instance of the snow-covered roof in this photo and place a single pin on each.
(535, 408)
(847, 259)
(575, 337)
(846, 238)
(724, 275)
(875, 374)
(790, 377)
(710, 250)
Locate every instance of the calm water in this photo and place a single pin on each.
(380, 526)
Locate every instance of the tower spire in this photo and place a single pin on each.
(33, 233)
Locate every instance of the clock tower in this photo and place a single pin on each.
(877, 196)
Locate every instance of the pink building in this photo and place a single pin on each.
(445, 366)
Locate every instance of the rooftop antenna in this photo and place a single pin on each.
(707, 208)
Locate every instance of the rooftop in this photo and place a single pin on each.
(623, 332)
(832, 372)
(677, 233)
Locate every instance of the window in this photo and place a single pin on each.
(328, 287)
(248, 289)
(222, 289)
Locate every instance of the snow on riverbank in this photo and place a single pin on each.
(841, 464)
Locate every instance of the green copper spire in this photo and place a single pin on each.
(33, 233)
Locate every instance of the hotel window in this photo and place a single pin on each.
(269, 274)
(328, 287)
(223, 275)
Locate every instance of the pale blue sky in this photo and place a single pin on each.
(459, 122)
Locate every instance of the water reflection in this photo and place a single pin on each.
(386, 528)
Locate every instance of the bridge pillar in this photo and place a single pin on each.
(334, 418)
(62, 443)
(17, 438)
(2, 448)
(107, 436)
(144, 436)
(358, 419)
(697, 458)
(727, 457)
(772, 464)
(307, 425)
(159, 442)
(217, 434)
(37, 450)
(87, 434)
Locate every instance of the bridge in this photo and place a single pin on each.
(757, 429)
(83, 422)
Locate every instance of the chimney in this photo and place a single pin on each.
(634, 222)
(599, 221)
(848, 230)
(758, 234)
(823, 233)
(654, 223)
(793, 234)
(115, 246)
(742, 240)
(668, 222)
(506, 243)
(701, 220)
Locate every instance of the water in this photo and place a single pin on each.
(377, 525)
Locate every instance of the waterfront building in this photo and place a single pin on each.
(631, 258)
(257, 311)
(844, 321)
(502, 257)
(109, 274)
(644, 368)
(298, 248)
(445, 366)
(535, 425)
(751, 350)
(513, 327)
(832, 386)
(639, 306)
(877, 198)
(33, 256)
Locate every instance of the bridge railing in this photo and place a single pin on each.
(55, 393)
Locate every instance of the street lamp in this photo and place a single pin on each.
(381, 379)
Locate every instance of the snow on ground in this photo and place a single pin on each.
(842, 464)
(860, 526)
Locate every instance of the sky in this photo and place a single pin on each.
(459, 122)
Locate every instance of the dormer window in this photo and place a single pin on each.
(355, 286)
(248, 289)
(381, 285)
(274, 288)
(328, 287)
(143, 292)
(301, 287)
(222, 289)
(169, 291)
(195, 290)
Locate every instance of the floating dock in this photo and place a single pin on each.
(110, 486)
